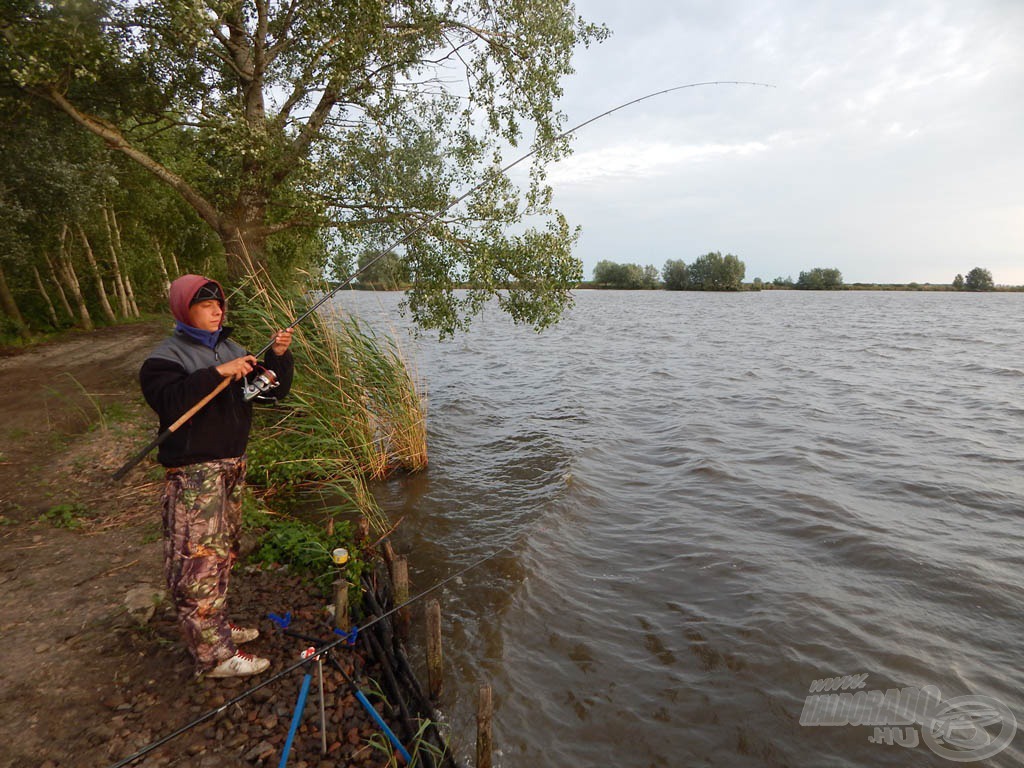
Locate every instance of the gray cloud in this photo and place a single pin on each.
(889, 148)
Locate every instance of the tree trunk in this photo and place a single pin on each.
(72, 280)
(104, 302)
(132, 305)
(60, 289)
(163, 267)
(245, 249)
(10, 307)
(49, 304)
(119, 289)
(131, 297)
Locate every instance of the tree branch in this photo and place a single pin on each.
(116, 140)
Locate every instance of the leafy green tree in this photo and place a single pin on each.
(650, 278)
(675, 275)
(62, 189)
(958, 282)
(625, 276)
(388, 273)
(269, 117)
(979, 279)
(783, 282)
(820, 279)
(609, 274)
(714, 272)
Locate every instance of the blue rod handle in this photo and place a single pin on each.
(384, 727)
(296, 719)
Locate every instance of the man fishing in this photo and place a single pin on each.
(205, 461)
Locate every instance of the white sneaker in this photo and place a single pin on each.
(239, 665)
(241, 635)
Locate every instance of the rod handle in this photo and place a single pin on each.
(171, 429)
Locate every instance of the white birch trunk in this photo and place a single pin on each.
(91, 258)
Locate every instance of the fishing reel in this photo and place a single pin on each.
(262, 381)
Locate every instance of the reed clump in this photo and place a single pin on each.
(355, 412)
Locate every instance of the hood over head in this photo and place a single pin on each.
(183, 294)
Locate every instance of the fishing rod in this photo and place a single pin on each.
(162, 437)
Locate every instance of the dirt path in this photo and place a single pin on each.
(91, 667)
(62, 591)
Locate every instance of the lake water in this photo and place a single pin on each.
(710, 501)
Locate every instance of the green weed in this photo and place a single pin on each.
(306, 549)
(69, 515)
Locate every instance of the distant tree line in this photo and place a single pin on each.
(715, 272)
(710, 272)
(978, 279)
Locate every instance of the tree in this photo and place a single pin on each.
(783, 282)
(958, 282)
(269, 116)
(608, 273)
(388, 273)
(714, 272)
(650, 278)
(675, 275)
(625, 276)
(979, 279)
(820, 279)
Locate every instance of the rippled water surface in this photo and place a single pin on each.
(712, 500)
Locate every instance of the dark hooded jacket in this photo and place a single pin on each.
(181, 372)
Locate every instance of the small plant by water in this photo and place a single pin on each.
(305, 548)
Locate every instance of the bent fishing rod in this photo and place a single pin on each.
(185, 417)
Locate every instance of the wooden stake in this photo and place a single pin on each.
(435, 661)
(341, 619)
(484, 741)
(400, 577)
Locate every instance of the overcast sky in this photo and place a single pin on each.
(892, 146)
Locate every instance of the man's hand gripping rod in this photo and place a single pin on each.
(402, 241)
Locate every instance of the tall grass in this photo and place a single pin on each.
(355, 413)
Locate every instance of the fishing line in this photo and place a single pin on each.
(407, 237)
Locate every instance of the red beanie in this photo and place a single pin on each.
(183, 290)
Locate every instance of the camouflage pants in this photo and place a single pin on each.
(202, 517)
